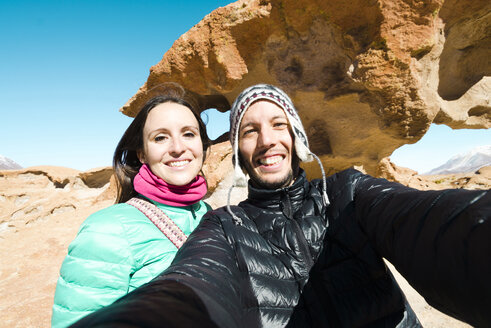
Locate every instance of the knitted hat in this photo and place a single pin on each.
(274, 94)
(301, 144)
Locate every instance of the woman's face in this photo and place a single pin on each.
(172, 146)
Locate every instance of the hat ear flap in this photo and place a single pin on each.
(302, 151)
(240, 179)
(301, 143)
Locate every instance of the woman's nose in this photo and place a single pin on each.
(177, 146)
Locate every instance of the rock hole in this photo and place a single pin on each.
(217, 123)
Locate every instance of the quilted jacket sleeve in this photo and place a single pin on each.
(440, 241)
(95, 272)
(201, 287)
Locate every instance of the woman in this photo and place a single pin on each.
(121, 247)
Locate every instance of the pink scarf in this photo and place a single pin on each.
(153, 187)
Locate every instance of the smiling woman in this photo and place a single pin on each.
(119, 248)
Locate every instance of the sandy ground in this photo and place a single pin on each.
(30, 264)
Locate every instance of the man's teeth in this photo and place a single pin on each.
(178, 163)
(271, 160)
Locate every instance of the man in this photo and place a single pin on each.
(302, 253)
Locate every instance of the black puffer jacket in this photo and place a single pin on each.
(295, 262)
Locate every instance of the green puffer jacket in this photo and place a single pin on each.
(116, 250)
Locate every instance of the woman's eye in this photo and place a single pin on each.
(159, 138)
(189, 134)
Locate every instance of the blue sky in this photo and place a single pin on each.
(66, 67)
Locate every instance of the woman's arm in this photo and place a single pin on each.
(95, 272)
(440, 241)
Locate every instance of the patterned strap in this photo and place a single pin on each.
(162, 221)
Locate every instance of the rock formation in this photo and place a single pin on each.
(218, 163)
(478, 180)
(36, 193)
(366, 76)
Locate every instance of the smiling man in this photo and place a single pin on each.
(302, 253)
(266, 146)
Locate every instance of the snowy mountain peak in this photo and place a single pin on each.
(467, 162)
(8, 164)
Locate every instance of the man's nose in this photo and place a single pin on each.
(266, 137)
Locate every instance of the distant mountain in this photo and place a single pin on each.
(8, 164)
(468, 162)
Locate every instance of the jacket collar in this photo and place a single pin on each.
(267, 198)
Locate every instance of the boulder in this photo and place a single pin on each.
(218, 164)
(37, 193)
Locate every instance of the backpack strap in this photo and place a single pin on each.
(165, 224)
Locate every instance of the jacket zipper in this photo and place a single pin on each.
(304, 247)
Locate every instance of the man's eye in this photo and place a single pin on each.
(248, 132)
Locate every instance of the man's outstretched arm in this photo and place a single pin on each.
(440, 241)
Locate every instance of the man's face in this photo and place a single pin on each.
(266, 145)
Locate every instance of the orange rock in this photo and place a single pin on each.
(366, 77)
